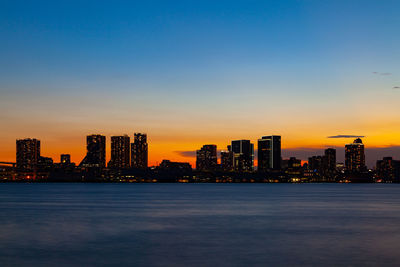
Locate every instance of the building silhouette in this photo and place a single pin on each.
(269, 153)
(120, 152)
(96, 152)
(175, 166)
(292, 166)
(206, 158)
(388, 169)
(355, 157)
(243, 155)
(28, 154)
(45, 164)
(227, 159)
(139, 151)
(329, 162)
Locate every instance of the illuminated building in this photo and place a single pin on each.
(206, 158)
(139, 148)
(96, 152)
(227, 160)
(28, 154)
(355, 157)
(292, 166)
(243, 155)
(388, 169)
(269, 153)
(120, 152)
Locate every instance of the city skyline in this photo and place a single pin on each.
(107, 150)
(303, 69)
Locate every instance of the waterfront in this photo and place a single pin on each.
(199, 224)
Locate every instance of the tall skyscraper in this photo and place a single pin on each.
(227, 159)
(120, 152)
(355, 157)
(243, 155)
(139, 148)
(206, 158)
(96, 152)
(329, 161)
(28, 154)
(269, 153)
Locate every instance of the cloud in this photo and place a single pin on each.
(396, 87)
(382, 73)
(186, 154)
(346, 136)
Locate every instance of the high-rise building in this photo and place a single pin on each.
(28, 154)
(206, 158)
(120, 152)
(139, 148)
(355, 157)
(243, 155)
(315, 163)
(96, 152)
(388, 169)
(269, 153)
(329, 161)
(227, 159)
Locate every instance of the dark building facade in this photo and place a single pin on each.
(243, 155)
(139, 151)
(175, 166)
(292, 166)
(120, 152)
(329, 162)
(28, 154)
(206, 158)
(227, 160)
(388, 169)
(96, 152)
(45, 164)
(355, 157)
(269, 153)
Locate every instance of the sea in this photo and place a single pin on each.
(105, 224)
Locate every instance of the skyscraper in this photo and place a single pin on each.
(329, 161)
(206, 158)
(269, 153)
(28, 154)
(355, 157)
(139, 148)
(96, 152)
(243, 155)
(388, 169)
(227, 159)
(120, 152)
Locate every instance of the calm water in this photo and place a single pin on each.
(199, 224)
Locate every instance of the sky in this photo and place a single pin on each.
(190, 73)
